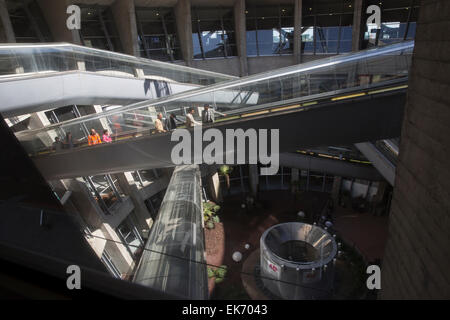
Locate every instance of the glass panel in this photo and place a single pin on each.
(270, 28)
(311, 81)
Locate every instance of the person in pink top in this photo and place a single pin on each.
(106, 137)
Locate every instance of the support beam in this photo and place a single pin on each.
(214, 189)
(298, 31)
(125, 20)
(6, 29)
(240, 33)
(253, 179)
(142, 214)
(184, 28)
(55, 15)
(357, 25)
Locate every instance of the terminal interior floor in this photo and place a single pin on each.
(239, 227)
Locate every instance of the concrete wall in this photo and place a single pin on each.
(416, 261)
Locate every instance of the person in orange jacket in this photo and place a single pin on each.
(94, 138)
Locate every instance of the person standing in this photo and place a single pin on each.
(106, 136)
(68, 142)
(57, 145)
(94, 138)
(207, 114)
(159, 128)
(190, 121)
(171, 123)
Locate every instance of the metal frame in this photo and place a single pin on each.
(316, 29)
(100, 10)
(143, 35)
(225, 45)
(255, 7)
(408, 21)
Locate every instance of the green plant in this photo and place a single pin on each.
(217, 273)
(225, 171)
(210, 214)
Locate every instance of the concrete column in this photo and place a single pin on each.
(142, 215)
(55, 15)
(6, 29)
(253, 179)
(184, 28)
(39, 120)
(298, 31)
(357, 25)
(295, 178)
(85, 204)
(381, 190)
(119, 254)
(213, 185)
(336, 189)
(103, 121)
(240, 34)
(125, 20)
(416, 261)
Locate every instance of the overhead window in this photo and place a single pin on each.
(157, 34)
(28, 23)
(98, 29)
(270, 30)
(327, 26)
(213, 33)
(398, 23)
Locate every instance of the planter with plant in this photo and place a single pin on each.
(218, 273)
(210, 214)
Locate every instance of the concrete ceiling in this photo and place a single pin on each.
(155, 3)
(90, 2)
(172, 3)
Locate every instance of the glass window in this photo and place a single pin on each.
(130, 236)
(398, 23)
(27, 21)
(157, 34)
(154, 202)
(270, 30)
(213, 33)
(327, 26)
(98, 28)
(106, 191)
(109, 263)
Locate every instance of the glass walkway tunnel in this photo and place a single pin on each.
(173, 260)
(85, 75)
(366, 87)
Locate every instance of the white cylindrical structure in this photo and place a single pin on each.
(293, 256)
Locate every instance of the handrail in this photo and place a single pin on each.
(316, 65)
(111, 55)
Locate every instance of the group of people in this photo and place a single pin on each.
(93, 138)
(208, 116)
(171, 122)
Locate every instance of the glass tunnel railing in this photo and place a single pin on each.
(301, 86)
(30, 60)
(173, 260)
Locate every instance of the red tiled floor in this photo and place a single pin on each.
(367, 232)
